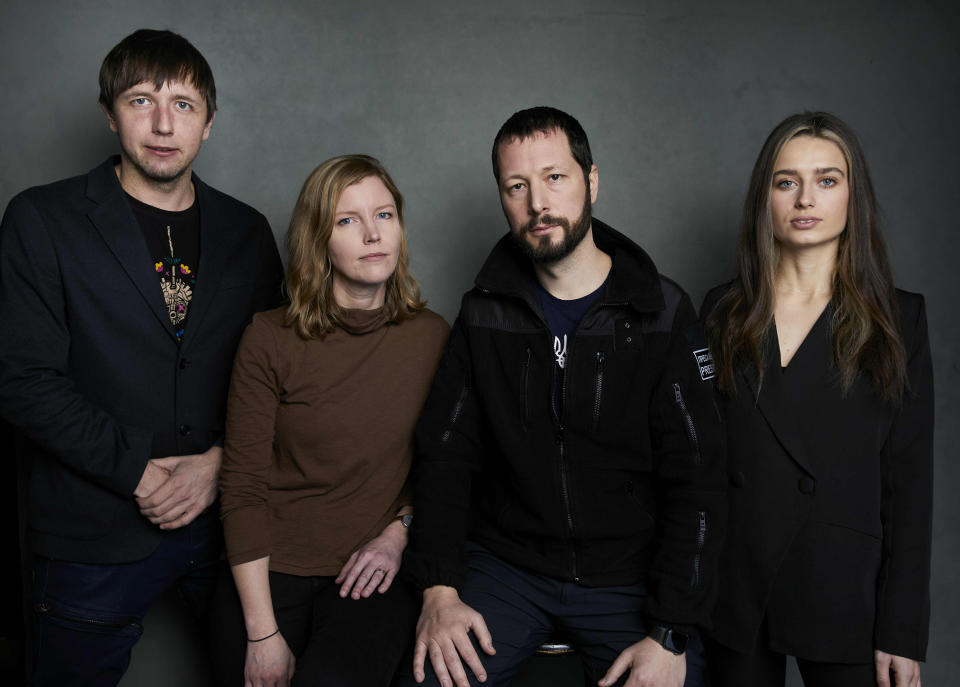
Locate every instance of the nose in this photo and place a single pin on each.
(538, 200)
(162, 121)
(370, 233)
(805, 198)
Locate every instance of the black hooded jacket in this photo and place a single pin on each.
(626, 486)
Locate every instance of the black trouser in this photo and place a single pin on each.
(336, 641)
(763, 667)
(88, 617)
(522, 610)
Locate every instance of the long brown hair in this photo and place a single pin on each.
(866, 336)
(313, 311)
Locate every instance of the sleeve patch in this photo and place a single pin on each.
(704, 363)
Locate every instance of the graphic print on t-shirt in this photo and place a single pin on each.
(562, 318)
(560, 350)
(173, 240)
(177, 291)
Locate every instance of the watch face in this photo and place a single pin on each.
(405, 520)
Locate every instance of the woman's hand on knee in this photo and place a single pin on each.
(373, 566)
(906, 671)
(270, 663)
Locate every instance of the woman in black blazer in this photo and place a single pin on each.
(825, 374)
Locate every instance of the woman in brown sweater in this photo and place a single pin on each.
(324, 397)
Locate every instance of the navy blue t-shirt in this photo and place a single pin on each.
(562, 319)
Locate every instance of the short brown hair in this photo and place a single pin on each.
(157, 56)
(313, 311)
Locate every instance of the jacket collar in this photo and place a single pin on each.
(776, 395)
(116, 223)
(114, 219)
(634, 279)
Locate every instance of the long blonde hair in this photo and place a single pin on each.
(313, 311)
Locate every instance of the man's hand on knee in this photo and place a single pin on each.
(650, 665)
(443, 633)
(190, 488)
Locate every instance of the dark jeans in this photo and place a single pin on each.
(88, 617)
(337, 642)
(522, 610)
(763, 667)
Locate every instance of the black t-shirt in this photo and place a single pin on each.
(562, 319)
(173, 240)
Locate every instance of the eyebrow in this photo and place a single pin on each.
(376, 209)
(557, 167)
(818, 170)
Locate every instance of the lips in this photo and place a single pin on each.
(542, 229)
(805, 222)
(163, 151)
(373, 257)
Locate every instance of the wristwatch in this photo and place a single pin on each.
(671, 640)
(405, 519)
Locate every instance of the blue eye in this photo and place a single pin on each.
(828, 182)
(345, 221)
(384, 215)
(183, 106)
(785, 183)
(139, 101)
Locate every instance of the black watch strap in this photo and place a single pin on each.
(671, 640)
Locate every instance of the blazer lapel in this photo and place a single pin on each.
(775, 403)
(215, 247)
(114, 219)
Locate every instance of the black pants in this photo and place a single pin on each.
(522, 610)
(336, 641)
(88, 617)
(763, 667)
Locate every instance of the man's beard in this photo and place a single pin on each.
(158, 176)
(543, 250)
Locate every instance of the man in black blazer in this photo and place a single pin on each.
(123, 294)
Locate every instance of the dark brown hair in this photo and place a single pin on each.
(157, 56)
(313, 311)
(544, 120)
(865, 331)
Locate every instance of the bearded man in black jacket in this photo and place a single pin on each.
(570, 465)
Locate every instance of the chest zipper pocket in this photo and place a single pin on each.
(598, 389)
(455, 413)
(701, 540)
(524, 399)
(688, 423)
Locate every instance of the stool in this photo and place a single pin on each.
(555, 647)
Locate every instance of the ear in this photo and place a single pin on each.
(206, 129)
(594, 180)
(111, 120)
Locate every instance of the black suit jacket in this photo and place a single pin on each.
(830, 504)
(91, 373)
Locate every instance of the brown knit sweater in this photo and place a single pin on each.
(319, 436)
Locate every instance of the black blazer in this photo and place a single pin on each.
(91, 373)
(830, 504)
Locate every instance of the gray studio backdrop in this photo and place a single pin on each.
(676, 98)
